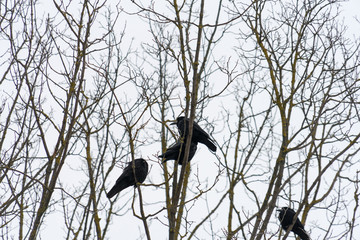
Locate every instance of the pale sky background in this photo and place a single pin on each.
(128, 226)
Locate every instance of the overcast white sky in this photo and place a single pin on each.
(127, 226)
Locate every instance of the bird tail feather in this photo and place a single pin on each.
(210, 145)
(302, 234)
(115, 190)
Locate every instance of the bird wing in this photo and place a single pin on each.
(172, 152)
(122, 182)
(141, 170)
(193, 148)
(127, 173)
(196, 127)
(292, 213)
(301, 233)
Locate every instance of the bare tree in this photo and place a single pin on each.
(275, 83)
(306, 72)
(59, 110)
(184, 40)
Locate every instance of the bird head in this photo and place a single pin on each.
(281, 212)
(177, 120)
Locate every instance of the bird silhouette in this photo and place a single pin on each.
(199, 135)
(127, 178)
(172, 153)
(286, 216)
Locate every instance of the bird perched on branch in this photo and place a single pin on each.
(286, 217)
(199, 135)
(172, 153)
(127, 178)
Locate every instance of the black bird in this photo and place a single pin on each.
(199, 135)
(127, 178)
(172, 153)
(286, 216)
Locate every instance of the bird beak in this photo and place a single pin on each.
(278, 210)
(173, 122)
